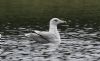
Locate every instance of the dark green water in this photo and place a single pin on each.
(23, 13)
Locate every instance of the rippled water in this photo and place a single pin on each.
(77, 45)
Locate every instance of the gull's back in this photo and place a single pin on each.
(43, 37)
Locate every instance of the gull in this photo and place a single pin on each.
(51, 37)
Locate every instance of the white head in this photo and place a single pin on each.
(56, 21)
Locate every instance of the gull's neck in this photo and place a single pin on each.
(53, 29)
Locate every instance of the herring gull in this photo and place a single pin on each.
(52, 37)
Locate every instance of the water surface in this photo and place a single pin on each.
(77, 45)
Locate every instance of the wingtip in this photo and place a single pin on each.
(27, 34)
(36, 31)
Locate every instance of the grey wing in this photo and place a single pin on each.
(42, 37)
(49, 36)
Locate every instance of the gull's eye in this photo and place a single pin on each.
(55, 20)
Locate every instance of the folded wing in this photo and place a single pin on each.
(42, 37)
